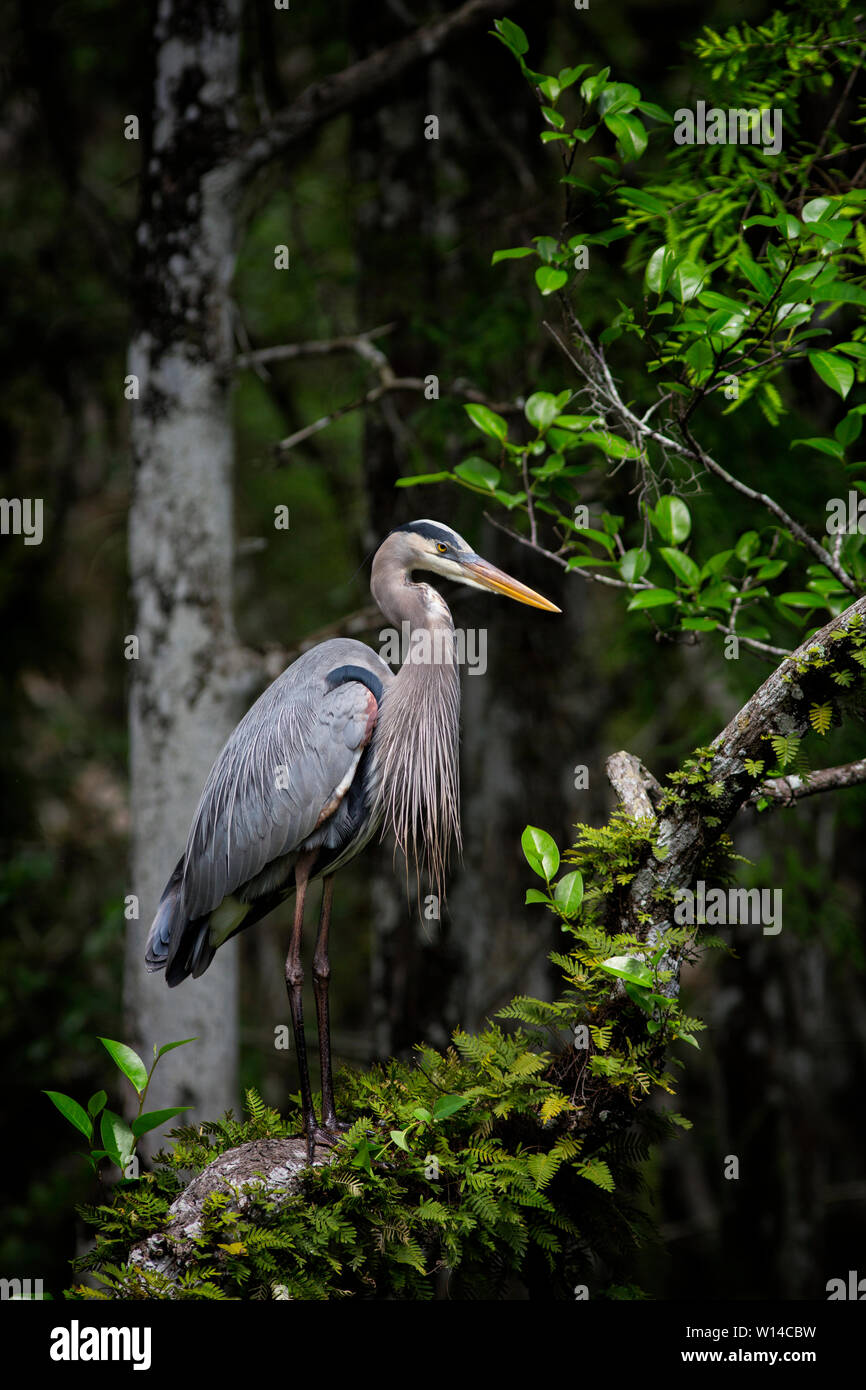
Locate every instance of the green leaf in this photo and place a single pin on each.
(840, 292)
(509, 499)
(652, 598)
(487, 421)
(96, 1103)
(568, 893)
(682, 565)
(541, 852)
(831, 447)
(658, 113)
(609, 166)
(567, 76)
(72, 1111)
(550, 88)
(630, 134)
(821, 717)
(672, 519)
(592, 87)
(748, 545)
(169, 1047)
(555, 117)
(535, 895)
(638, 198)
(512, 36)
(686, 280)
(634, 565)
(612, 445)
(117, 1137)
(799, 599)
(552, 465)
(446, 1106)
(848, 430)
(415, 481)
(600, 537)
(511, 253)
(755, 274)
(129, 1062)
(597, 1171)
(549, 279)
(644, 997)
(716, 564)
(725, 325)
(399, 1137)
(814, 210)
(718, 596)
(361, 1157)
(478, 472)
(836, 371)
(541, 409)
(547, 247)
(659, 268)
(154, 1118)
(772, 569)
(618, 96)
(630, 968)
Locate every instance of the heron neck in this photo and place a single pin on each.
(417, 735)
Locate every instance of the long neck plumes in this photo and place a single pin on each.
(417, 735)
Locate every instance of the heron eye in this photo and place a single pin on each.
(443, 549)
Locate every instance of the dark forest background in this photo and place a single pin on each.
(384, 229)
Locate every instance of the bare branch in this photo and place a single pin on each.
(784, 791)
(335, 94)
(561, 559)
(388, 382)
(636, 788)
(314, 347)
(408, 383)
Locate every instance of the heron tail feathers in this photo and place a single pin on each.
(162, 930)
(175, 944)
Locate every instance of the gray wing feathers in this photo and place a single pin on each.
(292, 752)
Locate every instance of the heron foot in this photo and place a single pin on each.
(324, 1136)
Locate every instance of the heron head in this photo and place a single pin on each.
(429, 545)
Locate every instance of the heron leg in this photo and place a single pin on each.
(321, 980)
(295, 989)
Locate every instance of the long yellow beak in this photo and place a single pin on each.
(489, 577)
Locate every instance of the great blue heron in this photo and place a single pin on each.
(336, 747)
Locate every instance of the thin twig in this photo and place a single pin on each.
(786, 790)
(314, 347)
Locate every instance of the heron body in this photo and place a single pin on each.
(338, 747)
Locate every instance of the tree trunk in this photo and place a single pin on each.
(183, 696)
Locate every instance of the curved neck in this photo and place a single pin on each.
(403, 599)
